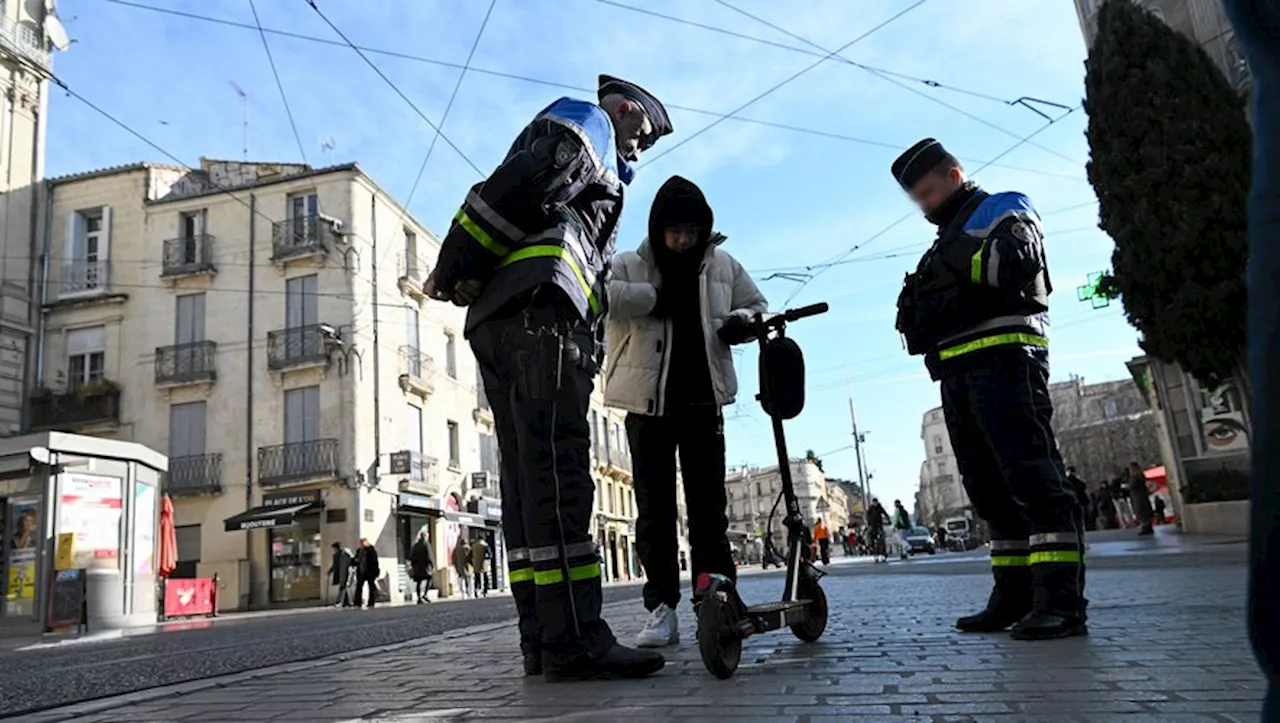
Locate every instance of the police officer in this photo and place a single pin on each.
(977, 309)
(529, 253)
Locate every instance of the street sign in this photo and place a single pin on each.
(1092, 291)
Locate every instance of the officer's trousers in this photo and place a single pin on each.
(536, 366)
(997, 408)
(1257, 24)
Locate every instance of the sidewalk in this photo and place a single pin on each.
(1165, 646)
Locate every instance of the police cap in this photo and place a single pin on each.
(653, 107)
(918, 160)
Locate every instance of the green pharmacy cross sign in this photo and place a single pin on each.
(1092, 291)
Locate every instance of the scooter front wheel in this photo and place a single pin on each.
(718, 638)
(815, 621)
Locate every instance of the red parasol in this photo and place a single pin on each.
(168, 559)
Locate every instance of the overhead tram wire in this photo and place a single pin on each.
(819, 269)
(566, 86)
(1026, 102)
(778, 86)
(284, 98)
(394, 87)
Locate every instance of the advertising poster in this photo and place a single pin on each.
(144, 526)
(23, 529)
(89, 506)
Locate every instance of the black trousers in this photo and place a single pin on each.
(696, 434)
(538, 376)
(997, 408)
(372, 583)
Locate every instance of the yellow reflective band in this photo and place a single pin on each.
(525, 575)
(547, 577)
(479, 234)
(589, 571)
(1009, 561)
(975, 264)
(555, 252)
(990, 341)
(1061, 556)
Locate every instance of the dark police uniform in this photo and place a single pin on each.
(539, 233)
(977, 309)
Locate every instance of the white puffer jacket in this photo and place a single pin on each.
(639, 355)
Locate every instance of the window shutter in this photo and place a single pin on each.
(86, 341)
(104, 245)
(75, 237)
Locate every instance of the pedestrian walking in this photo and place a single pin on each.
(1140, 498)
(1160, 507)
(422, 566)
(367, 573)
(480, 567)
(901, 526)
(977, 308)
(529, 252)
(342, 574)
(877, 518)
(676, 305)
(822, 537)
(462, 566)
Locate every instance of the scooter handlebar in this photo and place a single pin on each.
(804, 311)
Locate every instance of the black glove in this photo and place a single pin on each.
(737, 329)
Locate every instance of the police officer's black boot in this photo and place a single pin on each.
(1057, 570)
(1011, 597)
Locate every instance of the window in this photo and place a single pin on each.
(410, 254)
(88, 243)
(455, 451)
(188, 331)
(595, 433)
(482, 399)
(187, 429)
(191, 229)
(415, 429)
(1110, 409)
(451, 355)
(937, 444)
(86, 355)
(490, 455)
(300, 302)
(411, 337)
(301, 416)
(188, 539)
(302, 207)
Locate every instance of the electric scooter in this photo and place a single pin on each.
(724, 620)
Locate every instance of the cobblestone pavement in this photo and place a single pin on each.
(1167, 644)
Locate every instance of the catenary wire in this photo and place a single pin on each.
(284, 97)
(394, 87)
(560, 85)
(778, 86)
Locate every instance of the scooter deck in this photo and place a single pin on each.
(775, 607)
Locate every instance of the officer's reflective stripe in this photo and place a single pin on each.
(1009, 560)
(975, 264)
(480, 235)
(988, 342)
(1037, 323)
(1019, 545)
(610, 176)
(1050, 538)
(556, 252)
(1073, 557)
(518, 576)
(518, 554)
(577, 573)
(552, 552)
(493, 218)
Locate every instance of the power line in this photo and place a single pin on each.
(876, 72)
(394, 87)
(280, 86)
(452, 97)
(563, 86)
(765, 94)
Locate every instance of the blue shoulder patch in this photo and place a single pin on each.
(996, 208)
(591, 124)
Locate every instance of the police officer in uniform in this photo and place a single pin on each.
(529, 253)
(977, 309)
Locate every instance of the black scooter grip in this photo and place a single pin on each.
(810, 310)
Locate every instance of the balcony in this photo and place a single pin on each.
(416, 371)
(412, 274)
(182, 364)
(82, 278)
(284, 464)
(615, 461)
(91, 405)
(25, 42)
(298, 348)
(199, 474)
(483, 413)
(299, 237)
(188, 256)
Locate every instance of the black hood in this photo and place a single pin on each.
(679, 201)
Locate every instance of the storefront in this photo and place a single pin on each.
(296, 548)
(83, 506)
(415, 514)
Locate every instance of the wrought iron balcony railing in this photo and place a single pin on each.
(83, 278)
(299, 235)
(188, 255)
(414, 363)
(187, 363)
(298, 346)
(25, 41)
(199, 474)
(75, 409)
(294, 461)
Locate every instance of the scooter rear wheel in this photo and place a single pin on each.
(815, 623)
(718, 640)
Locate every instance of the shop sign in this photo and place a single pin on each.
(292, 499)
(421, 502)
(491, 509)
(479, 480)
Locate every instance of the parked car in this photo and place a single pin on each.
(920, 539)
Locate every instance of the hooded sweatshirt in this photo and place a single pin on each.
(680, 202)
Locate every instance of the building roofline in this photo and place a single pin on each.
(340, 168)
(111, 171)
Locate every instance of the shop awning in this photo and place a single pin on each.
(260, 517)
(465, 518)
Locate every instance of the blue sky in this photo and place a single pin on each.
(785, 198)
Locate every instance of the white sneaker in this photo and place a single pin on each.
(661, 630)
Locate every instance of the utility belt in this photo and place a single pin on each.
(948, 319)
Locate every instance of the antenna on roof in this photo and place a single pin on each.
(244, 101)
(327, 144)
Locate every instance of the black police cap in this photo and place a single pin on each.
(653, 107)
(918, 160)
